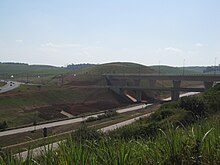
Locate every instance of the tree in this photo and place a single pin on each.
(3, 125)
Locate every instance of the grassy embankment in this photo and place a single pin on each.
(16, 106)
(32, 139)
(2, 84)
(184, 132)
(30, 73)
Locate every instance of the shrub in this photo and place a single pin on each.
(85, 133)
(212, 98)
(107, 114)
(170, 105)
(194, 104)
(161, 114)
(3, 125)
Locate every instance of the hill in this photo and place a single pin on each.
(186, 70)
(163, 69)
(117, 67)
(93, 75)
(22, 68)
(198, 69)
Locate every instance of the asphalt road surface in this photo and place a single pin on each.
(124, 123)
(54, 146)
(183, 95)
(9, 86)
(64, 122)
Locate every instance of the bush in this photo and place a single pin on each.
(170, 105)
(107, 114)
(3, 125)
(85, 133)
(161, 114)
(212, 98)
(194, 104)
(136, 131)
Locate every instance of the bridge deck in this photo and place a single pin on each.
(191, 77)
(161, 89)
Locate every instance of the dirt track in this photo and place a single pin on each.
(53, 111)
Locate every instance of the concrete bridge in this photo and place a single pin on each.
(119, 82)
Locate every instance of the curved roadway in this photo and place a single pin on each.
(64, 122)
(10, 85)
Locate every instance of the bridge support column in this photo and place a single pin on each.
(137, 82)
(152, 84)
(138, 95)
(208, 84)
(175, 93)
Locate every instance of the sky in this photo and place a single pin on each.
(149, 32)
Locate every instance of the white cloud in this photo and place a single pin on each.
(19, 41)
(52, 45)
(199, 44)
(171, 49)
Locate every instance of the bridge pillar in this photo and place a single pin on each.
(175, 93)
(137, 82)
(152, 84)
(208, 84)
(138, 95)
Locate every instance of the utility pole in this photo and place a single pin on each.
(159, 68)
(184, 66)
(215, 66)
(27, 78)
(61, 79)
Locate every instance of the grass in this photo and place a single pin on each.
(173, 70)
(56, 131)
(2, 84)
(115, 68)
(8, 69)
(16, 106)
(197, 144)
(37, 98)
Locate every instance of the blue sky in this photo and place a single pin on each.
(60, 32)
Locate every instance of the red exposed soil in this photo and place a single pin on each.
(52, 112)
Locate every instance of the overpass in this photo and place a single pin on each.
(119, 82)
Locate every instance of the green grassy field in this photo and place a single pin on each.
(118, 67)
(16, 106)
(17, 68)
(2, 84)
(30, 73)
(174, 70)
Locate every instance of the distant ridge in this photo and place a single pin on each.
(117, 68)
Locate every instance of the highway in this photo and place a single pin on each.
(64, 122)
(124, 123)
(10, 85)
(183, 95)
(54, 146)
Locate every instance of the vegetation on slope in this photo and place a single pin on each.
(20, 68)
(117, 68)
(163, 69)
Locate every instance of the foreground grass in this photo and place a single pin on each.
(198, 144)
